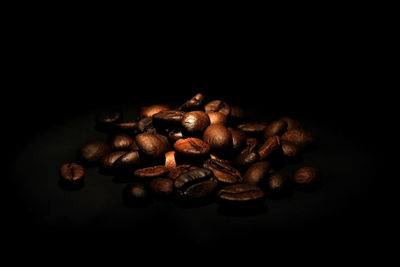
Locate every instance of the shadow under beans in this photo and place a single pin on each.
(310, 148)
(193, 203)
(122, 179)
(67, 186)
(242, 209)
(286, 193)
(137, 203)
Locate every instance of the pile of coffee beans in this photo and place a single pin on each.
(197, 151)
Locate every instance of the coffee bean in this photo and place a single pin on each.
(195, 103)
(252, 127)
(174, 135)
(272, 144)
(168, 118)
(192, 147)
(170, 161)
(222, 171)
(108, 118)
(292, 124)
(298, 137)
(146, 125)
(107, 162)
(72, 173)
(179, 170)
(152, 172)
(238, 114)
(249, 155)
(277, 182)
(218, 106)
(195, 121)
(135, 193)
(91, 153)
(162, 186)
(128, 126)
(251, 142)
(149, 111)
(238, 138)
(289, 149)
(217, 118)
(197, 183)
(121, 142)
(277, 127)
(240, 193)
(128, 161)
(257, 173)
(306, 177)
(218, 137)
(152, 145)
(134, 146)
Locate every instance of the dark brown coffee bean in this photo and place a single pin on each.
(195, 121)
(128, 161)
(121, 142)
(251, 142)
(107, 162)
(91, 153)
(217, 118)
(135, 193)
(270, 145)
(275, 128)
(146, 125)
(170, 161)
(72, 173)
(292, 124)
(149, 111)
(238, 114)
(249, 155)
(162, 186)
(298, 137)
(174, 135)
(168, 117)
(277, 182)
(218, 106)
(195, 103)
(306, 176)
(134, 146)
(222, 171)
(108, 118)
(257, 173)
(218, 137)
(252, 127)
(153, 145)
(191, 147)
(240, 193)
(238, 138)
(152, 172)
(289, 149)
(128, 126)
(179, 170)
(197, 183)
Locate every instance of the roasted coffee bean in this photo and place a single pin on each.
(170, 161)
(107, 162)
(252, 127)
(192, 147)
(121, 142)
(298, 137)
(270, 145)
(257, 173)
(108, 118)
(289, 149)
(222, 171)
(152, 172)
(277, 182)
(179, 170)
(218, 106)
(249, 155)
(72, 173)
(197, 183)
(218, 137)
(238, 114)
(195, 103)
(195, 121)
(146, 125)
(135, 193)
(128, 126)
(162, 186)
(240, 193)
(128, 161)
(217, 118)
(251, 143)
(292, 124)
(277, 127)
(306, 177)
(152, 145)
(91, 153)
(168, 117)
(174, 135)
(134, 146)
(238, 138)
(149, 111)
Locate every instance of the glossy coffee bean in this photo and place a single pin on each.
(179, 170)
(128, 161)
(238, 138)
(195, 103)
(108, 118)
(72, 173)
(107, 162)
(162, 186)
(92, 152)
(174, 135)
(195, 184)
(121, 142)
(192, 147)
(135, 193)
(223, 172)
(218, 137)
(247, 157)
(152, 172)
(257, 173)
(277, 127)
(292, 124)
(168, 118)
(146, 125)
(217, 118)
(239, 193)
(218, 106)
(238, 114)
(289, 149)
(128, 126)
(306, 177)
(277, 182)
(270, 145)
(298, 137)
(195, 121)
(152, 145)
(149, 111)
(170, 161)
(252, 127)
